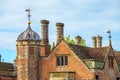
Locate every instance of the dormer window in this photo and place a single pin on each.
(61, 60)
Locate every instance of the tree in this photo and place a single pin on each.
(72, 41)
(68, 40)
(83, 42)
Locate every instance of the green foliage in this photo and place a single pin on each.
(83, 42)
(68, 40)
(52, 46)
(72, 41)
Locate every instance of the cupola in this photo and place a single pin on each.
(28, 34)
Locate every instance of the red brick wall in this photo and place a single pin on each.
(44, 50)
(27, 60)
(48, 65)
(107, 73)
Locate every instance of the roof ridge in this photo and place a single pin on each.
(78, 45)
(6, 62)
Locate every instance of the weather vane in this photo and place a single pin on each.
(28, 10)
(109, 32)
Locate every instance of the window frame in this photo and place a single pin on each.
(61, 60)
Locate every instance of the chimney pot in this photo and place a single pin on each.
(44, 22)
(60, 24)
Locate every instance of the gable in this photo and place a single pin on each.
(93, 58)
(75, 64)
(111, 67)
(64, 49)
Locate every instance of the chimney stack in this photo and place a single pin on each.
(78, 40)
(44, 47)
(0, 57)
(60, 31)
(94, 42)
(44, 32)
(99, 41)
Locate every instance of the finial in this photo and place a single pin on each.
(29, 22)
(28, 10)
(109, 32)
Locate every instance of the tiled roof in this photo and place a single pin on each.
(95, 56)
(117, 55)
(8, 69)
(89, 53)
(6, 66)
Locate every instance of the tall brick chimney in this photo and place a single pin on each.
(60, 31)
(44, 47)
(78, 40)
(94, 42)
(99, 41)
(44, 32)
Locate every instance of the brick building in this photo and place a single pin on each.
(8, 71)
(66, 61)
(36, 61)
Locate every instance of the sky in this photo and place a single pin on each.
(86, 18)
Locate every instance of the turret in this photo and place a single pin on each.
(28, 47)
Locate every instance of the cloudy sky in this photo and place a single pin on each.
(86, 18)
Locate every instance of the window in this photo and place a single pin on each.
(62, 60)
(66, 60)
(97, 77)
(62, 76)
(117, 78)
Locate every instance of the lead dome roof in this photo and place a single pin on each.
(29, 34)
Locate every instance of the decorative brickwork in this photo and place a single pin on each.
(27, 60)
(44, 32)
(74, 64)
(66, 61)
